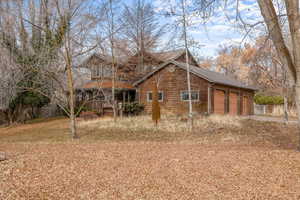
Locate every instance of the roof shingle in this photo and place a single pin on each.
(213, 77)
(106, 84)
(169, 55)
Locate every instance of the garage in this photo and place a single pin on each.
(233, 103)
(219, 102)
(246, 106)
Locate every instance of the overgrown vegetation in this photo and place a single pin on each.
(268, 100)
(33, 49)
(133, 108)
(207, 130)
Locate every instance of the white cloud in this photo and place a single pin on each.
(221, 28)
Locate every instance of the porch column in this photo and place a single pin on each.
(209, 99)
(124, 97)
(128, 97)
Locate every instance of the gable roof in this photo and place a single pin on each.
(169, 55)
(159, 56)
(210, 76)
(106, 84)
(105, 58)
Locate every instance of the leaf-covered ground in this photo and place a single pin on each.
(241, 160)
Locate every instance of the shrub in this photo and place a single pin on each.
(268, 100)
(133, 108)
(78, 110)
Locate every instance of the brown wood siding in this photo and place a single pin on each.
(233, 103)
(219, 102)
(172, 83)
(241, 92)
(246, 106)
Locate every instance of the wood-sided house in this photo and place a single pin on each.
(212, 92)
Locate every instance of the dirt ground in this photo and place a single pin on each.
(252, 161)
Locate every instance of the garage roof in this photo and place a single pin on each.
(213, 77)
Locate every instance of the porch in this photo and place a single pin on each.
(97, 97)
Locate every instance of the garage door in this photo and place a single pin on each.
(233, 103)
(246, 106)
(219, 102)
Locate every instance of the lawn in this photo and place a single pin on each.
(223, 158)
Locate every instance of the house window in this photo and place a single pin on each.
(106, 71)
(185, 95)
(102, 71)
(98, 70)
(145, 68)
(160, 96)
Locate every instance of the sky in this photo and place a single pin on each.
(221, 28)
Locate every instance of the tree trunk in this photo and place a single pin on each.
(190, 115)
(285, 109)
(73, 126)
(71, 97)
(72, 104)
(289, 59)
(297, 100)
(112, 29)
(10, 117)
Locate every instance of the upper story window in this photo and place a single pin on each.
(145, 68)
(150, 96)
(184, 95)
(103, 71)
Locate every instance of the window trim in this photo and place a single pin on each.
(101, 71)
(160, 91)
(197, 91)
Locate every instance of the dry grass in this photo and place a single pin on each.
(207, 130)
(167, 124)
(224, 158)
(279, 111)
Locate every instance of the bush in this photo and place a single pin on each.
(268, 100)
(78, 110)
(133, 108)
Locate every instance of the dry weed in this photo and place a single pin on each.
(167, 123)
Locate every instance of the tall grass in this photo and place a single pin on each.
(279, 111)
(167, 123)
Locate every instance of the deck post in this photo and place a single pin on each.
(124, 97)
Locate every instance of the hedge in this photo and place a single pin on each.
(268, 100)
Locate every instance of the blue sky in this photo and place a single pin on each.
(222, 28)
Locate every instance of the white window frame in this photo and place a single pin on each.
(196, 100)
(107, 71)
(96, 71)
(162, 96)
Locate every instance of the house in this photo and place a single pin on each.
(212, 92)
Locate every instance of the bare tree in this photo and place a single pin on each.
(48, 47)
(112, 30)
(142, 28)
(184, 23)
(10, 74)
(141, 25)
(108, 22)
(272, 18)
